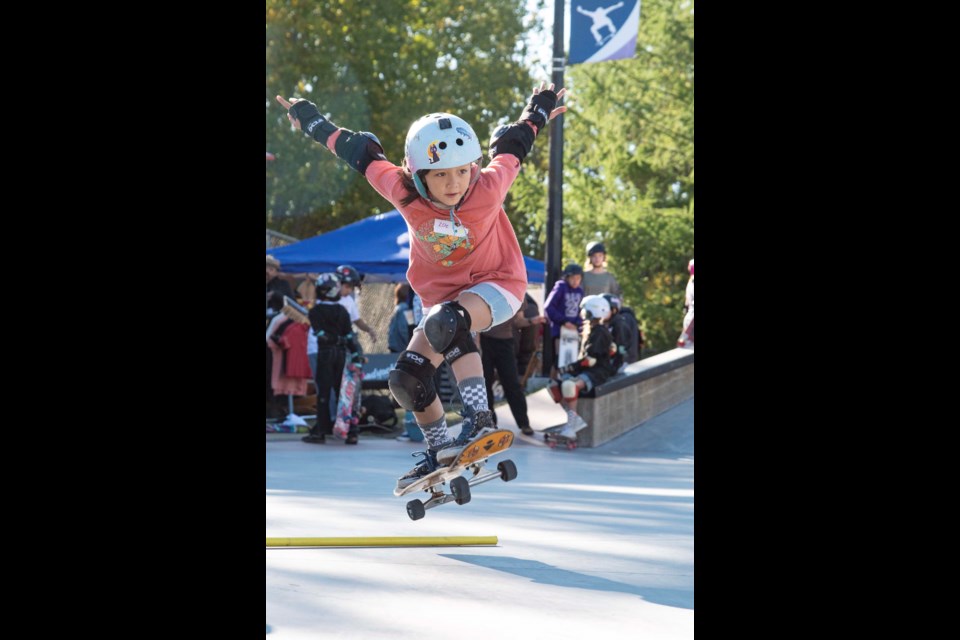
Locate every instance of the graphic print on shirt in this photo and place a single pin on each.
(572, 305)
(447, 242)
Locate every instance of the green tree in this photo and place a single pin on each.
(378, 66)
(628, 169)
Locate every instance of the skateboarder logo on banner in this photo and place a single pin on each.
(601, 20)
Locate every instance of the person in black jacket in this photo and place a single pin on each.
(599, 361)
(624, 329)
(330, 323)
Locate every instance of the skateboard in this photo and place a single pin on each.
(472, 458)
(552, 437)
(348, 410)
(569, 346)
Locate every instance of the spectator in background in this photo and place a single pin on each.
(562, 307)
(351, 282)
(402, 323)
(277, 287)
(307, 294)
(306, 290)
(599, 361)
(330, 323)
(526, 334)
(499, 360)
(686, 336)
(597, 280)
(624, 329)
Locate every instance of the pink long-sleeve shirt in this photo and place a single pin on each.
(445, 258)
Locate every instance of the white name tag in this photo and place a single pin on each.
(448, 229)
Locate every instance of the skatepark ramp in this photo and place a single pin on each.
(645, 389)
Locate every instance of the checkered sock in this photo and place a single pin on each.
(474, 394)
(436, 433)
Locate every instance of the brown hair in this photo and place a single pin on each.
(401, 293)
(406, 180)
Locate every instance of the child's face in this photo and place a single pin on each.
(574, 281)
(449, 185)
(596, 259)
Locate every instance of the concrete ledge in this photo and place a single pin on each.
(645, 389)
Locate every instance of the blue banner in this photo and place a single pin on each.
(603, 30)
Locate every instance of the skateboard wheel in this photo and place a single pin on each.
(460, 488)
(415, 509)
(508, 470)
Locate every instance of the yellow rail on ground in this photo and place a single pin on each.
(384, 541)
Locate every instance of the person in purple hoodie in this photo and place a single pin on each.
(562, 307)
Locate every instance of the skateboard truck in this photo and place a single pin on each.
(460, 487)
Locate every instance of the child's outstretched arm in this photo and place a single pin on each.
(356, 149)
(517, 138)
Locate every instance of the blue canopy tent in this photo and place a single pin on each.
(378, 246)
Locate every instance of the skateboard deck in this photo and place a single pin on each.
(472, 458)
(551, 435)
(569, 346)
(348, 413)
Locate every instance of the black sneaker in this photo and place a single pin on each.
(527, 431)
(314, 439)
(425, 466)
(351, 439)
(481, 425)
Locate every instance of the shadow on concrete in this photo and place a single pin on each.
(542, 573)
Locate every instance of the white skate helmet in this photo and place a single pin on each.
(440, 141)
(594, 308)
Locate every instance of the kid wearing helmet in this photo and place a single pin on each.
(465, 261)
(330, 323)
(562, 306)
(599, 360)
(350, 282)
(625, 329)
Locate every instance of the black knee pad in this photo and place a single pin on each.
(444, 324)
(448, 332)
(461, 346)
(411, 382)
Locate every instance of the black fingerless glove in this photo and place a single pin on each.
(311, 122)
(538, 111)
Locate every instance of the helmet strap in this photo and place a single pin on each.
(418, 183)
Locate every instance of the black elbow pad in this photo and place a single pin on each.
(358, 149)
(516, 139)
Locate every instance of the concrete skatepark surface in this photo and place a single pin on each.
(591, 543)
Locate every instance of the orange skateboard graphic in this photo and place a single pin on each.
(472, 458)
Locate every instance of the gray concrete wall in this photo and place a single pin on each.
(662, 382)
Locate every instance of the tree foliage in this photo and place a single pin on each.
(378, 66)
(628, 169)
(629, 132)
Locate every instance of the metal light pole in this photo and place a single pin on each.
(554, 240)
